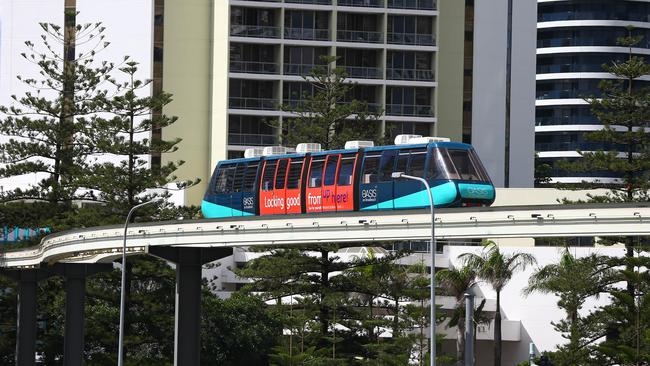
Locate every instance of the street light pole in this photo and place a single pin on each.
(120, 347)
(432, 247)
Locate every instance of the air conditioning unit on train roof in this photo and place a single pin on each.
(253, 152)
(427, 139)
(404, 139)
(307, 147)
(275, 150)
(356, 144)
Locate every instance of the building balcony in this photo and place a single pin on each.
(252, 103)
(412, 39)
(359, 36)
(316, 2)
(409, 74)
(298, 69)
(250, 139)
(372, 107)
(254, 31)
(364, 3)
(409, 110)
(363, 72)
(574, 146)
(254, 67)
(412, 4)
(307, 34)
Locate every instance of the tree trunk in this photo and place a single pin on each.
(497, 332)
(460, 340)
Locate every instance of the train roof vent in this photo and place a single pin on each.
(427, 139)
(274, 150)
(253, 152)
(307, 147)
(405, 139)
(358, 144)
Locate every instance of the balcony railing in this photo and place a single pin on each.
(318, 2)
(409, 74)
(412, 38)
(409, 110)
(254, 31)
(363, 72)
(252, 103)
(364, 3)
(298, 69)
(573, 146)
(412, 4)
(254, 67)
(249, 139)
(359, 36)
(372, 107)
(307, 34)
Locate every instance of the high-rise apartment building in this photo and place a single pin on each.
(574, 39)
(424, 63)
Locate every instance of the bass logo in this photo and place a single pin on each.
(369, 195)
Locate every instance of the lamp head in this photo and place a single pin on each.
(397, 175)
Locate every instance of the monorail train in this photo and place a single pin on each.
(356, 178)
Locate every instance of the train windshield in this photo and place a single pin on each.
(457, 164)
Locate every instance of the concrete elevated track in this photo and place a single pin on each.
(104, 244)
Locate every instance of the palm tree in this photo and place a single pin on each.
(456, 282)
(497, 269)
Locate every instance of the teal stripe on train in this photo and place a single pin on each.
(443, 195)
(212, 210)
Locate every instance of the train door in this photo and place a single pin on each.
(376, 187)
(266, 203)
(313, 189)
(345, 183)
(279, 191)
(248, 189)
(292, 191)
(329, 182)
(409, 193)
(236, 202)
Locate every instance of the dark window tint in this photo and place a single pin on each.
(330, 169)
(295, 172)
(402, 161)
(463, 164)
(316, 172)
(225, 177)
(238, 182)
(281, 174)
(269, 175)
(386, 165)
(346, 169)
(249, 177)
(439, 165)
(371, 167)
(479, 166)
(417, 160)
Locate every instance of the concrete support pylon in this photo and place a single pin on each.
(75, 299)
(187, 324)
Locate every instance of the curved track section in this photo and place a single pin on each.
(104, 244)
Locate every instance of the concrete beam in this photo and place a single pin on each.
(187, 324)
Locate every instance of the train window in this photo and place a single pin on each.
(330, 169)
(249, 177)
(224, 179)
(345, 170)
(238, 182)
(281, 175)
(295, 172)
(402, 161)
(386, 165)
(269, 175)
(439, 167)
(479, 167)
(371, 167)
(316, 172)
(417, 160)
(463, 164)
